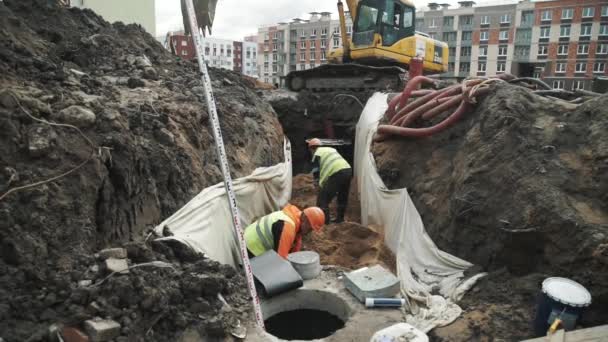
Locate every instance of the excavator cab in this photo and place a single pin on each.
(392, 20)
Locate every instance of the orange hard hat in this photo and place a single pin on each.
(316, 217)
(313, 142)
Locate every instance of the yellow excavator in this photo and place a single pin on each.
(384, 41)
(377, 56)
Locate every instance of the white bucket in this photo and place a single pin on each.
(306, 263)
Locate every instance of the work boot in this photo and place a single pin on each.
(340, 216)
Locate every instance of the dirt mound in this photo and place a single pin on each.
(137, 148)
(520, 184)
(350, 245)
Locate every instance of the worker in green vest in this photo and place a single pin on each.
(282, 230)
(333, 175)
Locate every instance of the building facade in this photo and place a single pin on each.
(564, 42)
(219, 53)
(298, 45)
(250, 56)
(129, 12)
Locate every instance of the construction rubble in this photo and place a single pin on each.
(105, 134)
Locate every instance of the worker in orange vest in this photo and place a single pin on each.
(282, 230)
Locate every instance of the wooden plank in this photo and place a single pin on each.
(595, 334)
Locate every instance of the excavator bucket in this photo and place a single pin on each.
(205, 12)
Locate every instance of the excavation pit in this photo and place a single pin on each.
(323, 312)
(288, 325)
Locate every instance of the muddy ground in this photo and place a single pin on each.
(519, 188)
(138, 147)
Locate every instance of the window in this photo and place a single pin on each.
(467, 35)
(523, 35)
(324, 31)
(522, 51)
(599, 67)
(265, 58)
(323, 56)
(275, 57)
(448, 21)
(184, 52)
(323, 43)
(449, 36)
(303, 33)
(501, 67)
(580, 67)
(349, 29)
(604, 11)
(214, 51)
(465, 51)
(588, 12)
(303, 45)
(483, 35)
(313, 33)
(601, 49)
(564, 31)
(451, 67)
(481, 66)
(558, 84)
(466, 20)
(485, 20)
(545, 15)
(504, 34)
(274, 47)
(302, 56)
(502, 50)
(505, 18)
(560, 67)
(452, 51)
(562, 49)
(432, 35)
(229, 53)
(542, 50)
(312, 56)
(336, 42)
(603, 29)
(583, 49)
(207, 51)
(527, 17)
(567, 13)
(585, 30)
(337, 30)
(545, 31)
(465, 67)
(578, 85)
(184, 43)
(313, 44)
(483, 51)
(433, 23)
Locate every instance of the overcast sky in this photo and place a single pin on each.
(235, 19)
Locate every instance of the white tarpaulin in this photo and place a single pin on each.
(431, 279)
(205, 223)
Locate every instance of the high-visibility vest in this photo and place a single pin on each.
(258, 235)
(330, 162)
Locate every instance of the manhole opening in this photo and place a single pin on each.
(305, 314)
(303, 324)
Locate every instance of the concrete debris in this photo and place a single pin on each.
(101, 330)
(116, 265)
(40, 139)
(118, 253)
(135, 82)
(150, 74)
(70, 334)
(76, 115)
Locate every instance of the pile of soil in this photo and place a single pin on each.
(520, 188)
(138, 148)
(350, 245)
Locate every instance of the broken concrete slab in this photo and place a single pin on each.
(117, 253)
(116, 265)
(101, 330)
(70, 334)
(77, 115)
(372, 282)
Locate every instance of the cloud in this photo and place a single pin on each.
(235, 19)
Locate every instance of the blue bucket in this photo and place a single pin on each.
(560, 298)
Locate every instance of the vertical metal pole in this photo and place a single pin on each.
(221, 152)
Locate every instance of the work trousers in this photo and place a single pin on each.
(338, 185)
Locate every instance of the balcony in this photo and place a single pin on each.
(452, 43)
(465, 58)
(448, 28)
(525, 41)
(466, 27)
(447, 74)
(451, 58)
(526, 24)
(466, 43)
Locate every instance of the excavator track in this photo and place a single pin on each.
(354, 77)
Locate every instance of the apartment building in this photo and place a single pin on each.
(564, 42)
(180, 44)
(129, 12)
(250, 56)
(298, 45)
